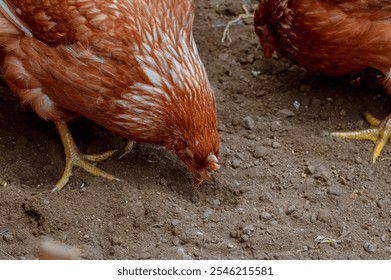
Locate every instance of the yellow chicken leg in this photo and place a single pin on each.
(379, 133)
(74, 158)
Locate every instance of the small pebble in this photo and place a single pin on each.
(387, 249)
(267, 197)
(8, 237)
(276, 145)
(265, 215)
(334, 190)
(370, 247)
(248, 123)
(3, 183)
(235, 163)
(275, 126)
(313, 217)
(380, 204)
(310, 170)
(208, 212)
(222, 127)
(261, 152)
(358, 160)
(249, 229)
(230, 246)
(245, 237)
(290, 209)
(325, 216)
(175, 222)
(285, 113)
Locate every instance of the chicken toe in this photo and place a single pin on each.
(378, 133)
(128, 148)
(74, 158)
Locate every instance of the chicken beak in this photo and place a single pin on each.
(213, 162)
(203, 175)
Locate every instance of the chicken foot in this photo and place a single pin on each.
(378, 133)
(74, 158)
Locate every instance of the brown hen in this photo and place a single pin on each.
(130, 66)
(332, 37)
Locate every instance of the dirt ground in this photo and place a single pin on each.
(286, 189)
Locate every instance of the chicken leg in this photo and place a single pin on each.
(74, 158)
(378, 133)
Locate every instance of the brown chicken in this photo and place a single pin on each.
(130, 66)
(332, 37)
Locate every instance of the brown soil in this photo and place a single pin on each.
(286, 189)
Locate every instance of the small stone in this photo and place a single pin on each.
(275, 126)
(250, 229)
(245, 189)
(248, 123)
(233, 234)
(265, 215)
(222, 127)
(342, 113)
(290, 209)
(285, 113)
(267, 197)
(387, 249)
(310, 170)
(260, 93)
(276, 145)
(370, 247)
(175, 222)
(230, 246)
(325, 216)
(216, 202)
(250, 58)
(3, 183)
(8, 237)
(208, 212)
(245, 237)
(389, 229)
(261, 152)
(86, 236)
(313, 217)
(235, 163)
(334, 190)
(358, 160)
(383, 238)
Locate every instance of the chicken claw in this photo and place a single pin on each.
(128, 148)
(378, 133)
(74, 158)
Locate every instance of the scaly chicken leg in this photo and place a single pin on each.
(378, 133)
(74, 158)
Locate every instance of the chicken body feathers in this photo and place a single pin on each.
(130, 66)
